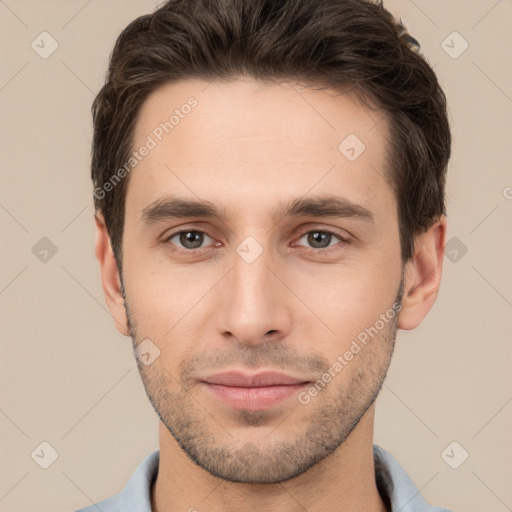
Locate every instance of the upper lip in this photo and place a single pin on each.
(258, 380)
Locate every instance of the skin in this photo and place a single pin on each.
(246, 147)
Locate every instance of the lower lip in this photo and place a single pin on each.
(254, 399)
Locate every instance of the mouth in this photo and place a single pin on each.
(253, 392)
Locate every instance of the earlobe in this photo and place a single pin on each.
(423, 276)
(110, 279)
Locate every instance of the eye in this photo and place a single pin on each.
(321, 239)
(189, 239)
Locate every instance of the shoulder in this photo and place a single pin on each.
(403, 494)
(112, 504)
(136, 494)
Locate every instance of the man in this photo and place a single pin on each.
(269, 188)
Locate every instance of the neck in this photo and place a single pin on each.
(343, 481)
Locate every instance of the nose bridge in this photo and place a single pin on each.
(250, 281)
(253, 301)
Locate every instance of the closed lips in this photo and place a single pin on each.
(259, 380)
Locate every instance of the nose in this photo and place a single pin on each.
(253, 308)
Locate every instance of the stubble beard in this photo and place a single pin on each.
(330, 418)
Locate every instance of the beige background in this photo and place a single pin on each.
(68, 378)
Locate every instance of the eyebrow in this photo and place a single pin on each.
(321, 206)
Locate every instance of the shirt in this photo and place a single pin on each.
(395, 487)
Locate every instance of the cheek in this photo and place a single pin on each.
(347, 299)
(165, 299)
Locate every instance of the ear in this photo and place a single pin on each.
(423, 276)
(110, 279)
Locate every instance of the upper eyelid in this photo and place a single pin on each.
(172, 234)
(341, 238)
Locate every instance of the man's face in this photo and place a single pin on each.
(259, 290)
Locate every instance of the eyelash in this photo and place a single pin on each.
(188, 252)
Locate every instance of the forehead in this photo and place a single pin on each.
(254, 140)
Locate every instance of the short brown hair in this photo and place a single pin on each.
(328, 43)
